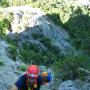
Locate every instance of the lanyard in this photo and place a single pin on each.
(28, 86)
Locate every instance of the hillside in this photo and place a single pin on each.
(55, 36)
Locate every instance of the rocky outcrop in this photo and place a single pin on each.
(67, 85)
(37, 21)
(8, 70)
(74, 85)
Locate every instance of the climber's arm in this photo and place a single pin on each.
(14, 87)
(47, 79)
(19, 83)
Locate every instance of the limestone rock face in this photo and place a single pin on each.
(67, 85)
(7, 75)
(27, 20)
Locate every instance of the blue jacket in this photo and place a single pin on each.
(22, 82)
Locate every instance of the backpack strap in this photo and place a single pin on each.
(28, 85)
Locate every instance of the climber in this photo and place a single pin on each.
(32, 79)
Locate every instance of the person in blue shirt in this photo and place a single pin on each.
(32, 79)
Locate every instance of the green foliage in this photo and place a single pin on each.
(1, 63)
(58, 11)
(9, 17)
(47, 42)
(12, 52)
(28, 52)
(18, 2)
(31, 52)
(10, 40)
(68, 67)
(4, 3)
(78, 26)
(37, 35)
(24, 55)
(30, 46)
(4, 24)
(29, 56)
(32, 56)
(55, 17)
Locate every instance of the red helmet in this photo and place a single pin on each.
(32, 71)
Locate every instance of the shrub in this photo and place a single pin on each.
(79, 31)
(12, 52)
(10, 40)
(18, 2)
(29, 52)
(55, 17)
(37, 35)
(47, 42)
(24, 55)
(30, 46)
(31, 56)
(4, 3)
(1, 63)
(4, 24)
(68, 67)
